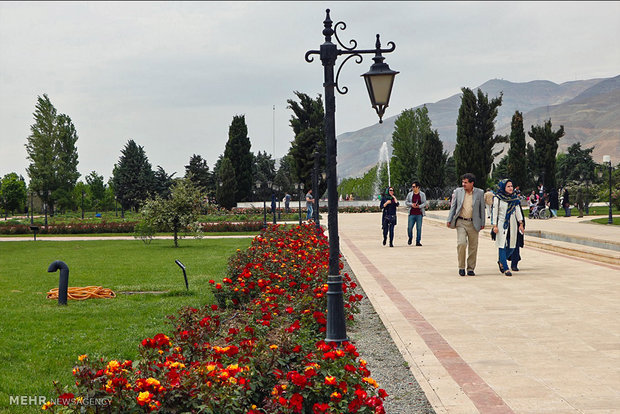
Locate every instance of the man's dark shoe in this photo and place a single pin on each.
(418, 244)
(470, 273)
(461, 272)
(384, 240)
(514, 268)
(391, 245)
(409, 241)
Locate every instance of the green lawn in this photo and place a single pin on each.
(40, 340)
(605, 220)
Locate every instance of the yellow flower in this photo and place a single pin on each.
(144, 397)
(211, 367)
(82, 357)
(47, 405)
(112, 365)
(153, 381)
(274, 347)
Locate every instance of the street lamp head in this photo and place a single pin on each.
(379, 81)
(607, 158)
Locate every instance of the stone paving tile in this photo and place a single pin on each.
(534, 339)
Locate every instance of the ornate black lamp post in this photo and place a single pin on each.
(379, 81)
(607, 160)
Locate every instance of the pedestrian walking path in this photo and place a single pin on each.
(546, 340)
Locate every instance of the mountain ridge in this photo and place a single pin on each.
(588, 109)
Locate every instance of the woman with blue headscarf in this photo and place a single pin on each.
(506, 219)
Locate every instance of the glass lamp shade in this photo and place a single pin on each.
(606, 158)
(379, 81)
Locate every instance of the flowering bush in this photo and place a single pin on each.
(258, 350)
(78, 227)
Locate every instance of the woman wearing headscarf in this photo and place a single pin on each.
(388, 205)
(507, 220)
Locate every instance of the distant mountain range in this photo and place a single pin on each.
(588, 109)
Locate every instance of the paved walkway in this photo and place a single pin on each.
(546, 340)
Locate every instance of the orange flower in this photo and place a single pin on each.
(329, 380)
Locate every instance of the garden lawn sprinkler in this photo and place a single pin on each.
(182, 266)
(63, 282)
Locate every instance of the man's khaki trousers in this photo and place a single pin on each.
(466, 236)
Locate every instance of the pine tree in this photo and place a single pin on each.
(53, 154)
(162, 182)
(238, 152)
(198, 171)
(308, 126)
(264, 171)
(475, 139)
(227, 185)
(133, 176)
(96, 188)
(545, 149)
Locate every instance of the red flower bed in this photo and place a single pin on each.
(259, 350)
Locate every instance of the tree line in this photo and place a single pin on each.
(418, 154)
(240, 175)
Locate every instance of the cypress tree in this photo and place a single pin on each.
(475, 139)
(431, 165)
(516, 167)
(225, 193)
(238, 152)
(545, 149)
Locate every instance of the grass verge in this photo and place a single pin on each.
(41, 340)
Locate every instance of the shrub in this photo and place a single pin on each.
(259, 350)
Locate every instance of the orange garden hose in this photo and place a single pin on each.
(83, 293)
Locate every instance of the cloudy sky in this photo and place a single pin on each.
(171, 75)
